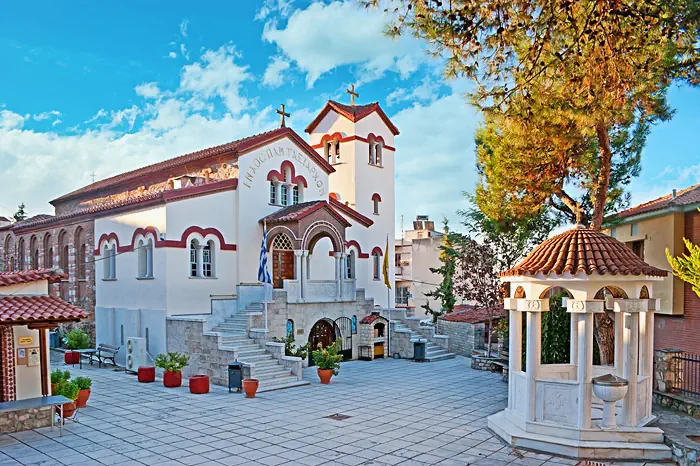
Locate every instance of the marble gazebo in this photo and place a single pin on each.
(557, 408)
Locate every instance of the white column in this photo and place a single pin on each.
(515, 352)
(533, 358)
(298, 271)
(304, 271)
(619, 345)
(630, 363)
(584, 369)
(573, 340)
(338, 274)
(646, 343)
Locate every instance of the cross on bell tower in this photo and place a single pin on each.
(352, 93)
(282, 114)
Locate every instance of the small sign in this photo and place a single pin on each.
(33, 358)
(21, 357)
(25, 341)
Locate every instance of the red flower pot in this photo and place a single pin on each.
(172, 379)
(71, 357)
(250, 386)
(325, 375)
(199, 384)
(68, 410)
(82, 400)
(147, 374)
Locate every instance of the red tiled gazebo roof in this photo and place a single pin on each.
(22, 310)
(583, 250)
(27, 276)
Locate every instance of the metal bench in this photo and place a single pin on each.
(104, 353)
(36, 403)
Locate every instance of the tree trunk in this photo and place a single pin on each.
(600, 192)
(604, 331)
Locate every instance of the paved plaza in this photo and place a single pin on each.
(400, 412)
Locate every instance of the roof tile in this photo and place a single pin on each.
(28, 276)
(684, 197)
(353, 113)
(33, 309)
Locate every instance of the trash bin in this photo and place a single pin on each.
(54, 340)
(419, 350)
(235, 376)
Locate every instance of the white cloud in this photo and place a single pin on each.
(427, 91)
(323, 37)
(46, 115)
(10, 120)
(172, 55)
(274, 73)
(183, 27)
(282, 7)
(217, 75)
(148, 90)
(56, 122)
(184, 52)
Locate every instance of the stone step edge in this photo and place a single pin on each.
(272, 388)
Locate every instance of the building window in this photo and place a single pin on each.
(208, 259)
(376, 199)
(332, 151)
(613, 232)
(354, 324)
(402, 295)
(20, 254)
(295, 194)
(48, 258)
(634, 230)
(113, 262)
(145, 254)
(350, 266)
(82, 252)
(283, 194)
(109, 262)
(194, 258)
(638, 248)
(273, 193)
(397, 260)
(290, 328)
(375, 152)
(376, 265)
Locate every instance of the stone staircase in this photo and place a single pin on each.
(433, 351)
(271, 373)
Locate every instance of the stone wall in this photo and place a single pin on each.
(463, 338)
(665, 369)
(28, 419)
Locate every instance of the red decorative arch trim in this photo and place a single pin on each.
(109, 237)
(145, 231)
(167, 243)
(377, 250)
(280, 174)
(376, 197)
(360, 254)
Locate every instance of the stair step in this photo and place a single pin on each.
(272, 375)
(256, 358)
(296, 383)
(265, 364)
(251, 352)
(278, 380)
(440, 357)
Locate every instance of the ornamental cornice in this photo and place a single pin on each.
(585, 306)
(526, 305)
(632, 305)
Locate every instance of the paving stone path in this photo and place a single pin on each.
(399, 412)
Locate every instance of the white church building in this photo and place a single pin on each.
(180, 245)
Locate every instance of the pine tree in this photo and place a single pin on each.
(445, 291)
(20, 214)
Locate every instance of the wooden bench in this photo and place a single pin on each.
(104, 353)
(37, 403)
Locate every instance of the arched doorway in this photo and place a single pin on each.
(282, 260)
(322, 332)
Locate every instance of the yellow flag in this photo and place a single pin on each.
(385, 267)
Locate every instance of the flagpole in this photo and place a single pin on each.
(265, 284)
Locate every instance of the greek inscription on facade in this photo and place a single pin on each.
(275, 153)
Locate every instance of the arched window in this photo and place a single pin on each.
(113, 262)
(208, 259)
(194, 258)
(332, 151)
(290, 327)
(371, 151)
(378, 149)
(141, 248)
(20, 254)
(34, 253)
(376, 199)
(81, 248)
(273, 192)
(376, 265)
(295, 194)
(48, 251)
(106, 260)
(145, 255)
(350, 266)
(284, 197)
(63, 251)
(35, 258)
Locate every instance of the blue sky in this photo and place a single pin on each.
(98, 87)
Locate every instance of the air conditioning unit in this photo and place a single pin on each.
(135, 353)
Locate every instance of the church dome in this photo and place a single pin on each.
(583, 250)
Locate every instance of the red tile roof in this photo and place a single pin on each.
(583, 250)
(371, 318)
(471, 314)
(4, 219)
(34, 309)
(350, 212)
(684, 197)
(28, 276)
(353, 113)
(294, 213)
(236, 148)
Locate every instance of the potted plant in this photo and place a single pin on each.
(76, 339)
(84, 384)
(250, 387)
(328, 361)
(172, 365)
(70, 390)
(199, 384)
(58, 376)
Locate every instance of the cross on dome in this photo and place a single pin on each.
(352, 93)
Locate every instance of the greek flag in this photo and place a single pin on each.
(263, 274)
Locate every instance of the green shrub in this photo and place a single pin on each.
(68, 389)
(328, 358)
(290, 349)
(172, 362)
(84, 383)
(77, 339)
(58, 376)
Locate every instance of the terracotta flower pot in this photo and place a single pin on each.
(325, 375)
(53, 388)
(250, 386)
(82, 400)
(68, 410)
(172, 379)
(146, 374)
(71, 357)
(199, 384)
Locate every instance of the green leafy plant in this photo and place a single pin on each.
(77, 339)
(328, 358)
(58, 376)
(68, 389)
(501, 328)
(172, 362)
(290, 349)
(84, 383)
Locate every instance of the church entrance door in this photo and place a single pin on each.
(282, 267)
(322, 332)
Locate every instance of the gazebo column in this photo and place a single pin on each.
(630, 363)
(582, 312)
(299, 270)
(532, 360)
(619, 344)
(573, 342)
(515, 351)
